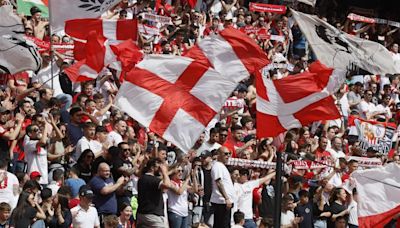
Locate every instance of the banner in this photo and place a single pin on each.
(260, 7)
(45, 45)
(356, 17)
(148, 30)
(373, 134)
(157, 18)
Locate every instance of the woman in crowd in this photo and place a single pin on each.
(27, 212)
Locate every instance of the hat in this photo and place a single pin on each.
(34, 10)
(206, 154)
(34, 175)
(85, 191)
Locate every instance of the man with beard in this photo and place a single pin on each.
(88, 141)
(115, 136)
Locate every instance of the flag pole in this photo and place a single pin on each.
(51, 46)
(278, 190)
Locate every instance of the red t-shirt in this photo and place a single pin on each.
(319, 153)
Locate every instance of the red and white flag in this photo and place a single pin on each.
(296, 100)
(378, 195)
(63, 10)
(99, 54)
(170, 93)
(110, 29)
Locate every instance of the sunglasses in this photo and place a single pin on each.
(126, 149)
(36, 130)
(227, 153)
(179, 170)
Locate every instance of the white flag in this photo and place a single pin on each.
(63, 10)
(16, 54)
(378, 195)
(338, 49)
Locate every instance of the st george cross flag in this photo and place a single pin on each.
(110, 29)
(176, 97)
(16, 53)
(24, 7)
(99, 54)
(338, 50)
(296, 100)
(63, 10)
(378, 195)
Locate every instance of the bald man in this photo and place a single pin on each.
(104, 188)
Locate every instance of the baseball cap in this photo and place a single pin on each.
(205, 154)
(85, 191)
(34, 175)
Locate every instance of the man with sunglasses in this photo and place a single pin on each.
(35, 148)
(223, 193)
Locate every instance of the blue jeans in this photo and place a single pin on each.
(176, 221)
(249, 223)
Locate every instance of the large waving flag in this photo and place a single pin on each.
(338, 50)
(378, 195)
(100, 54)
(64, 10)
(24, 7)
(16, 54)
(170, 93)
(296, 100)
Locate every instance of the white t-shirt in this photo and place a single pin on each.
(178, 204)
(114, 138)
(36, 159)
(366, 108)
(82, 218)
(84, 144)
(9, 192)
(219, 171)
(386, 110)
(287, 218)
(353, 217)
(245, 197)
(44, 76)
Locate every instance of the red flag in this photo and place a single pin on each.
(296, 100)
(110, 29)
(99, 54)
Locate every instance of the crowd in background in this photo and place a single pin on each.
(68, 157)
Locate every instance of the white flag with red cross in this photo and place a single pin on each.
(176, 97)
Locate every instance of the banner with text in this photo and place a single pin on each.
(260, 7)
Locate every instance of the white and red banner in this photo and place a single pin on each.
(173, 92)
(63, 10)
(157, 18)
(339, 50)
(296, 100)
(356, 17)
(373, 134)
(378, 195)
(261, 7)
(148, 30)
(110, 29)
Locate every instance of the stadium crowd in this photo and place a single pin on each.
(69, 158)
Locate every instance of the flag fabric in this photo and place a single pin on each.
(296, 100)
(373, 134)
(16, 54)
(338, 50)
(64, 10)
(24, 7)
(100, 54)
(169, 93)
(110, 29)
(378, 192)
